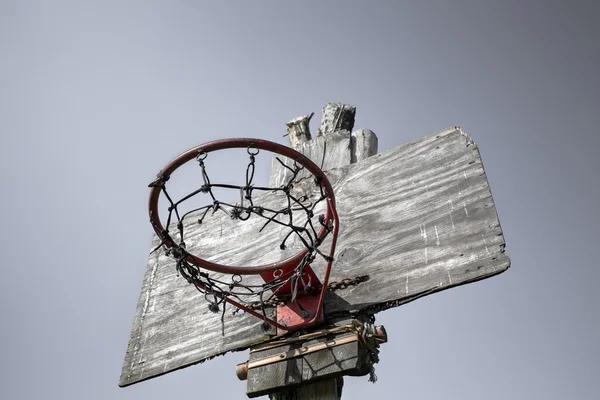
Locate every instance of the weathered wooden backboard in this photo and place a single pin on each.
(417, 219)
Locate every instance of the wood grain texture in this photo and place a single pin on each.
(427, 222)
(337, 117)
(328, 151)
(334, 146)
(364, 145)
(274, 377)
(417, 219)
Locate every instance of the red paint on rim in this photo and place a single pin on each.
(330, 216)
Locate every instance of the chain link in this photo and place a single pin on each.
(344, 283)
(332, 287)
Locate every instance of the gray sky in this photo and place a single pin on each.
(95, 98)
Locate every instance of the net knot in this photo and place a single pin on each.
(258, 210)
(236, 212)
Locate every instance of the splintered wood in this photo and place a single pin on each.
(417, 219)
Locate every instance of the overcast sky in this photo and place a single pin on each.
(95, 97)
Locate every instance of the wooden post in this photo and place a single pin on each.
(335, 146)
(330, 389)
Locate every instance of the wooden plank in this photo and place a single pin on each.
(427, 222)
(364, 145)
(417, 219)
(273, 377)
(173, 327)
(347, 359)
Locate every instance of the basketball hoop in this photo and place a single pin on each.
(291, 283)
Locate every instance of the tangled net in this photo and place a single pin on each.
(285, 285)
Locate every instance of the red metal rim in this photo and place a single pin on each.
(261, 144)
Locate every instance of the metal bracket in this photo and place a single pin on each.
(299, 311)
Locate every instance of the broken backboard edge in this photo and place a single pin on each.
(430, 161)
